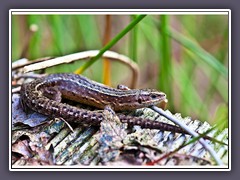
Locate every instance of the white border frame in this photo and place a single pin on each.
(121, 12)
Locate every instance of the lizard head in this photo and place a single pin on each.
(149, 97)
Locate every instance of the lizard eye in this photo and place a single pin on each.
(153, 96)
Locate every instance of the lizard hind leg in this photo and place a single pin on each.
(52, 93)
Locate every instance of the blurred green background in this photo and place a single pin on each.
(186, 56)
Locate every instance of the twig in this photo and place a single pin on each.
(87, 55)
(190, 131)
(24, 62)
(68, 125)
(16, 90)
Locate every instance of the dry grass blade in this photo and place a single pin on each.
(86, 55)
(190, 131)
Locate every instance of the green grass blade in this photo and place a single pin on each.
(165, 65)
(111, 43)
(61, 34)
(200, 52)
(191, 101)
(36, 37)
(15, 38)
(133, 42)
(89, 31)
